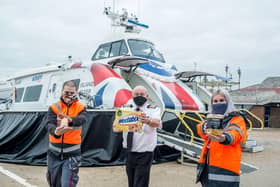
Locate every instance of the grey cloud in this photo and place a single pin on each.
(215, 33)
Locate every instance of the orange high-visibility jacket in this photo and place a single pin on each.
(223, 159)
(69, 141)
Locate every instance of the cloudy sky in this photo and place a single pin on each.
(210, 34)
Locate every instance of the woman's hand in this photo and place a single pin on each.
(205, 126)
(218, 138)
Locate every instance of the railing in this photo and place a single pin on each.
(182, 115)
(189, 119)
(254, 117)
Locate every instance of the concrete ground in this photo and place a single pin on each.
(162, 175)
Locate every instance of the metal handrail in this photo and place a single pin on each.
(181, 118)
(191, 118)
(255, 117)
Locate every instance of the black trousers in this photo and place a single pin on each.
(204, 176)
(138, 167)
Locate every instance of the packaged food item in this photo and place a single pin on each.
(214, 124)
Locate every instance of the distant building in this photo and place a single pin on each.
(261, 99)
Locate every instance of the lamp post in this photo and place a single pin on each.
(239, 76)
(230, 78)
(226, 69)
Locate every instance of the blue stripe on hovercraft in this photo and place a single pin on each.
(98, 97)
(167, 100)
(156, 70)
(151, 58)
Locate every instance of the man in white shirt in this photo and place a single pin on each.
(140, 145)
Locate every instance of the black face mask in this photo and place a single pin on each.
(219, 108)
(139, 100)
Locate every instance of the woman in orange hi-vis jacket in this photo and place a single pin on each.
(220, 158)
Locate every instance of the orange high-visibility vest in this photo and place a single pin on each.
(71, 137)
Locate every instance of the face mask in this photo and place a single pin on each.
(69, 98)
(219, 108)
(139, 100)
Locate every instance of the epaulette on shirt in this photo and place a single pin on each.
(152, 106)
(127, 106)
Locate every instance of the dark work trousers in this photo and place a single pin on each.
(63, 173)
(138, 167)
(204, 176)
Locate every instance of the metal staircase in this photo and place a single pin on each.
(179, 132)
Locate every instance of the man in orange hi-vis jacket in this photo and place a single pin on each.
(220, 158)
(65, 120)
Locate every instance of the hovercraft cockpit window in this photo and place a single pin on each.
(108, 50)
(102, 52)
(144, 49)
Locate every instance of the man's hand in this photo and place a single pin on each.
(58, 119)
(61, 117)
(217, 138)
(68, 118)
(61, 130)
(145, 119)
(152, 122)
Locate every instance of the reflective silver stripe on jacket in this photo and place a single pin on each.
(237, 129)
(231, 137)
(65, 150)
(58, 107)
(225, 178)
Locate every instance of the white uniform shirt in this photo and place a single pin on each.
(146, 140)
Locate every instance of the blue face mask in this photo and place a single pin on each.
(219, 108)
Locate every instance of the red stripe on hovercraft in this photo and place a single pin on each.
(183, 97)
(77, 65)
(122, 97)
(101, 72)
